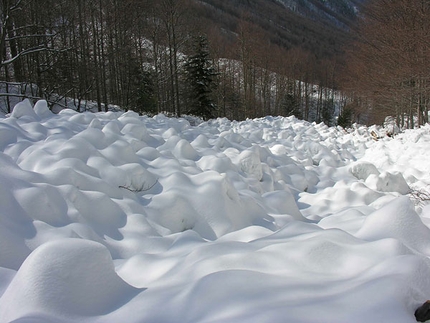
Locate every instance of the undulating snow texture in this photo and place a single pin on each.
(116, 217)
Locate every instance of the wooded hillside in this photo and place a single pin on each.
(266, 59)
(389, 62)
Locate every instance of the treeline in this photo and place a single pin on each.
(160, 56)
(389, 62)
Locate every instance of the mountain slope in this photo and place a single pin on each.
(337, 12)
(320, 27)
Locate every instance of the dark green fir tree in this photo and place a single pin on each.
(201, 80)
(345, 118)
(289, 104)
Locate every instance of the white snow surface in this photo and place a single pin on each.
(116, 217)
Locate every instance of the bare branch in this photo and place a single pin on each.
(138, 190)
(420, 197)
(31, 51)
(16, 6)
(30, 36)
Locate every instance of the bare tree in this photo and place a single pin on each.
(389, 62)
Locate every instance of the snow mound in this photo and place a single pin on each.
(388, 182)
(7, 136)
(42, 110)
(24, 109)
(398, 220)
(44, 203)
(65, 277)
(218, 210)
(184, 150)
(249, 162)
(385, 181)
(283, 203)
(362, 170)
(131, 176)
(271, 219)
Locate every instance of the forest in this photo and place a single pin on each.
(388, 63)
(235, 59)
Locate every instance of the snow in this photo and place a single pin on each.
(116, 217)
(66, 277)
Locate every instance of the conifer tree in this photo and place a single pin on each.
(345, 118)
(200, 76)
(289, 104)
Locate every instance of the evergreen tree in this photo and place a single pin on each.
(145, 96)
(345, 118)
(200, 76)
(327, 112)
(290, 105)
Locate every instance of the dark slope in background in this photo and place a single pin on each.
(336, 12)
(315, 25)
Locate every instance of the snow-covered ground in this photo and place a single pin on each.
(123, 218)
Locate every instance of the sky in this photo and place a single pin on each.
(116, 217)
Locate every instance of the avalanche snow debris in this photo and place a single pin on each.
(116, 217)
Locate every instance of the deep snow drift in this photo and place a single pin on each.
(116, 217)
